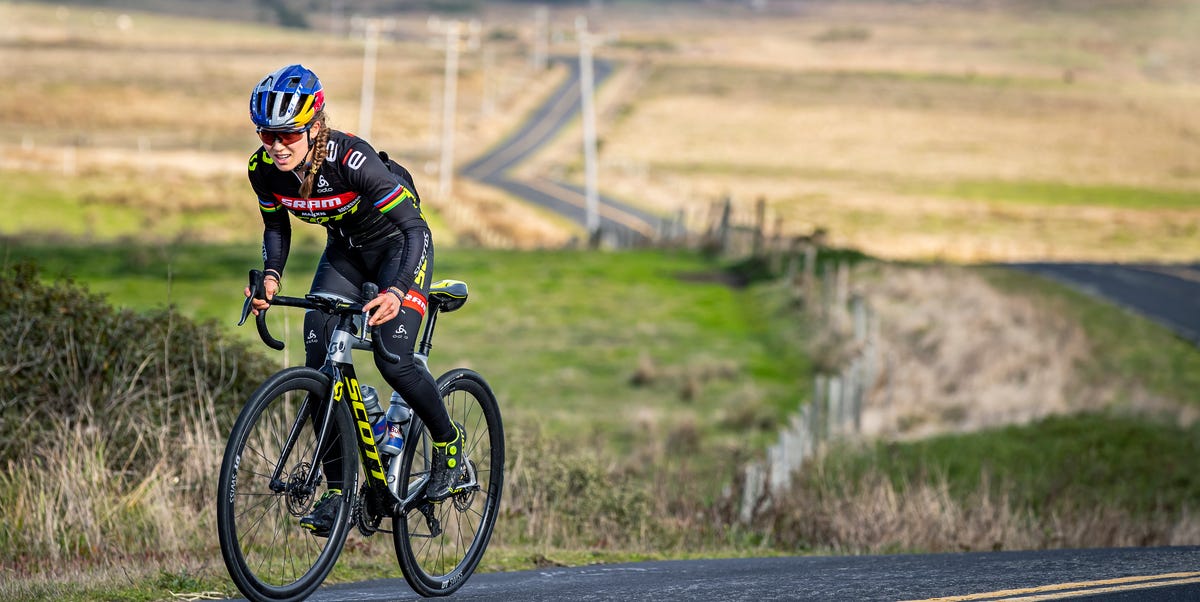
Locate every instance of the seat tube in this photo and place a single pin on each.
(430, 322)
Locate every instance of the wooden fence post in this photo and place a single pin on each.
(724, 232)
(810, 273)
(760, 226)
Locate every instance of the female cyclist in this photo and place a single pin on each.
(376, 233)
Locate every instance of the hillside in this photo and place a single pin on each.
(967, 132)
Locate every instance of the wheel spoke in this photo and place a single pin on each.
(465, 519)
(262, 542)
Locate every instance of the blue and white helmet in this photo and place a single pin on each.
(287, 100)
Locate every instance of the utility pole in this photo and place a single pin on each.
(588, 114)
(449, 100)
(337, 14)
(452, 30)
(488, 106)
(371, 28)
(541, 30)
(367, 100)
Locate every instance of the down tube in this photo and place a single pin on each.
(372, 465)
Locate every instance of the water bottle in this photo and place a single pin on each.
(398, 415)
(370, 399)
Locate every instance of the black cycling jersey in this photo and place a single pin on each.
(377, 233)
(363, 201)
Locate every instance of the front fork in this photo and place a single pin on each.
(309, 484)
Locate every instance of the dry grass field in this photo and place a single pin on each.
(109, 108)
(960, 131)
(978, 131)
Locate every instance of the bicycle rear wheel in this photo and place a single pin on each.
(440, 544)
(269, 556)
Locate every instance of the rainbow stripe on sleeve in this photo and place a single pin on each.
(268, 206)
(398, 195)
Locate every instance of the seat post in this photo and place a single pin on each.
(430, 322)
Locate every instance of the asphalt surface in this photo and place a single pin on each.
(1166, 294)
(1152, 574)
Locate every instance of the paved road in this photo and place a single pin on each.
(620, 224)
(1167, 294)
(1153, 574)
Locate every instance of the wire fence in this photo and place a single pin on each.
(832, 413)
(833, 410)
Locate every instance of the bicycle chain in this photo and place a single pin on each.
(363, 515)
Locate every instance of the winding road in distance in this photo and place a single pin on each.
(621, 224)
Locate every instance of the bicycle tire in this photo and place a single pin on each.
(269, 556)
(439, 564)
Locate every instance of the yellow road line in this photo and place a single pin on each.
(1102, 590)
(1001, 594)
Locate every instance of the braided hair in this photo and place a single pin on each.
(320, 150)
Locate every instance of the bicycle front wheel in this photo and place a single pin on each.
(269, 556)
(440, 544)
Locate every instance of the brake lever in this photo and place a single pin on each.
(370, 291)
(256, 290)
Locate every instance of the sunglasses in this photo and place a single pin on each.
(269, 137)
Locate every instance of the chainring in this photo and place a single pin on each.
(366, 513)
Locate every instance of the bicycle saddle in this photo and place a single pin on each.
(449, 294)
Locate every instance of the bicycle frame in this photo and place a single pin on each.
(339, 367)
(344, 388)
(438, 545)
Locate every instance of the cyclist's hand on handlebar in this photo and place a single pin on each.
(386, 306)
(270, 287)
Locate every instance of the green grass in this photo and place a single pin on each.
(1015, 192)
(559, 334)
(105, 207)
(1061, 464)
(1053, 194)
(202, 281)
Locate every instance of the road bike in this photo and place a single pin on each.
(302, 420)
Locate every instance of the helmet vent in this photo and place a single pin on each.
(287, 99)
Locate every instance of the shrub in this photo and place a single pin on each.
(73, 359)
(111, 422)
